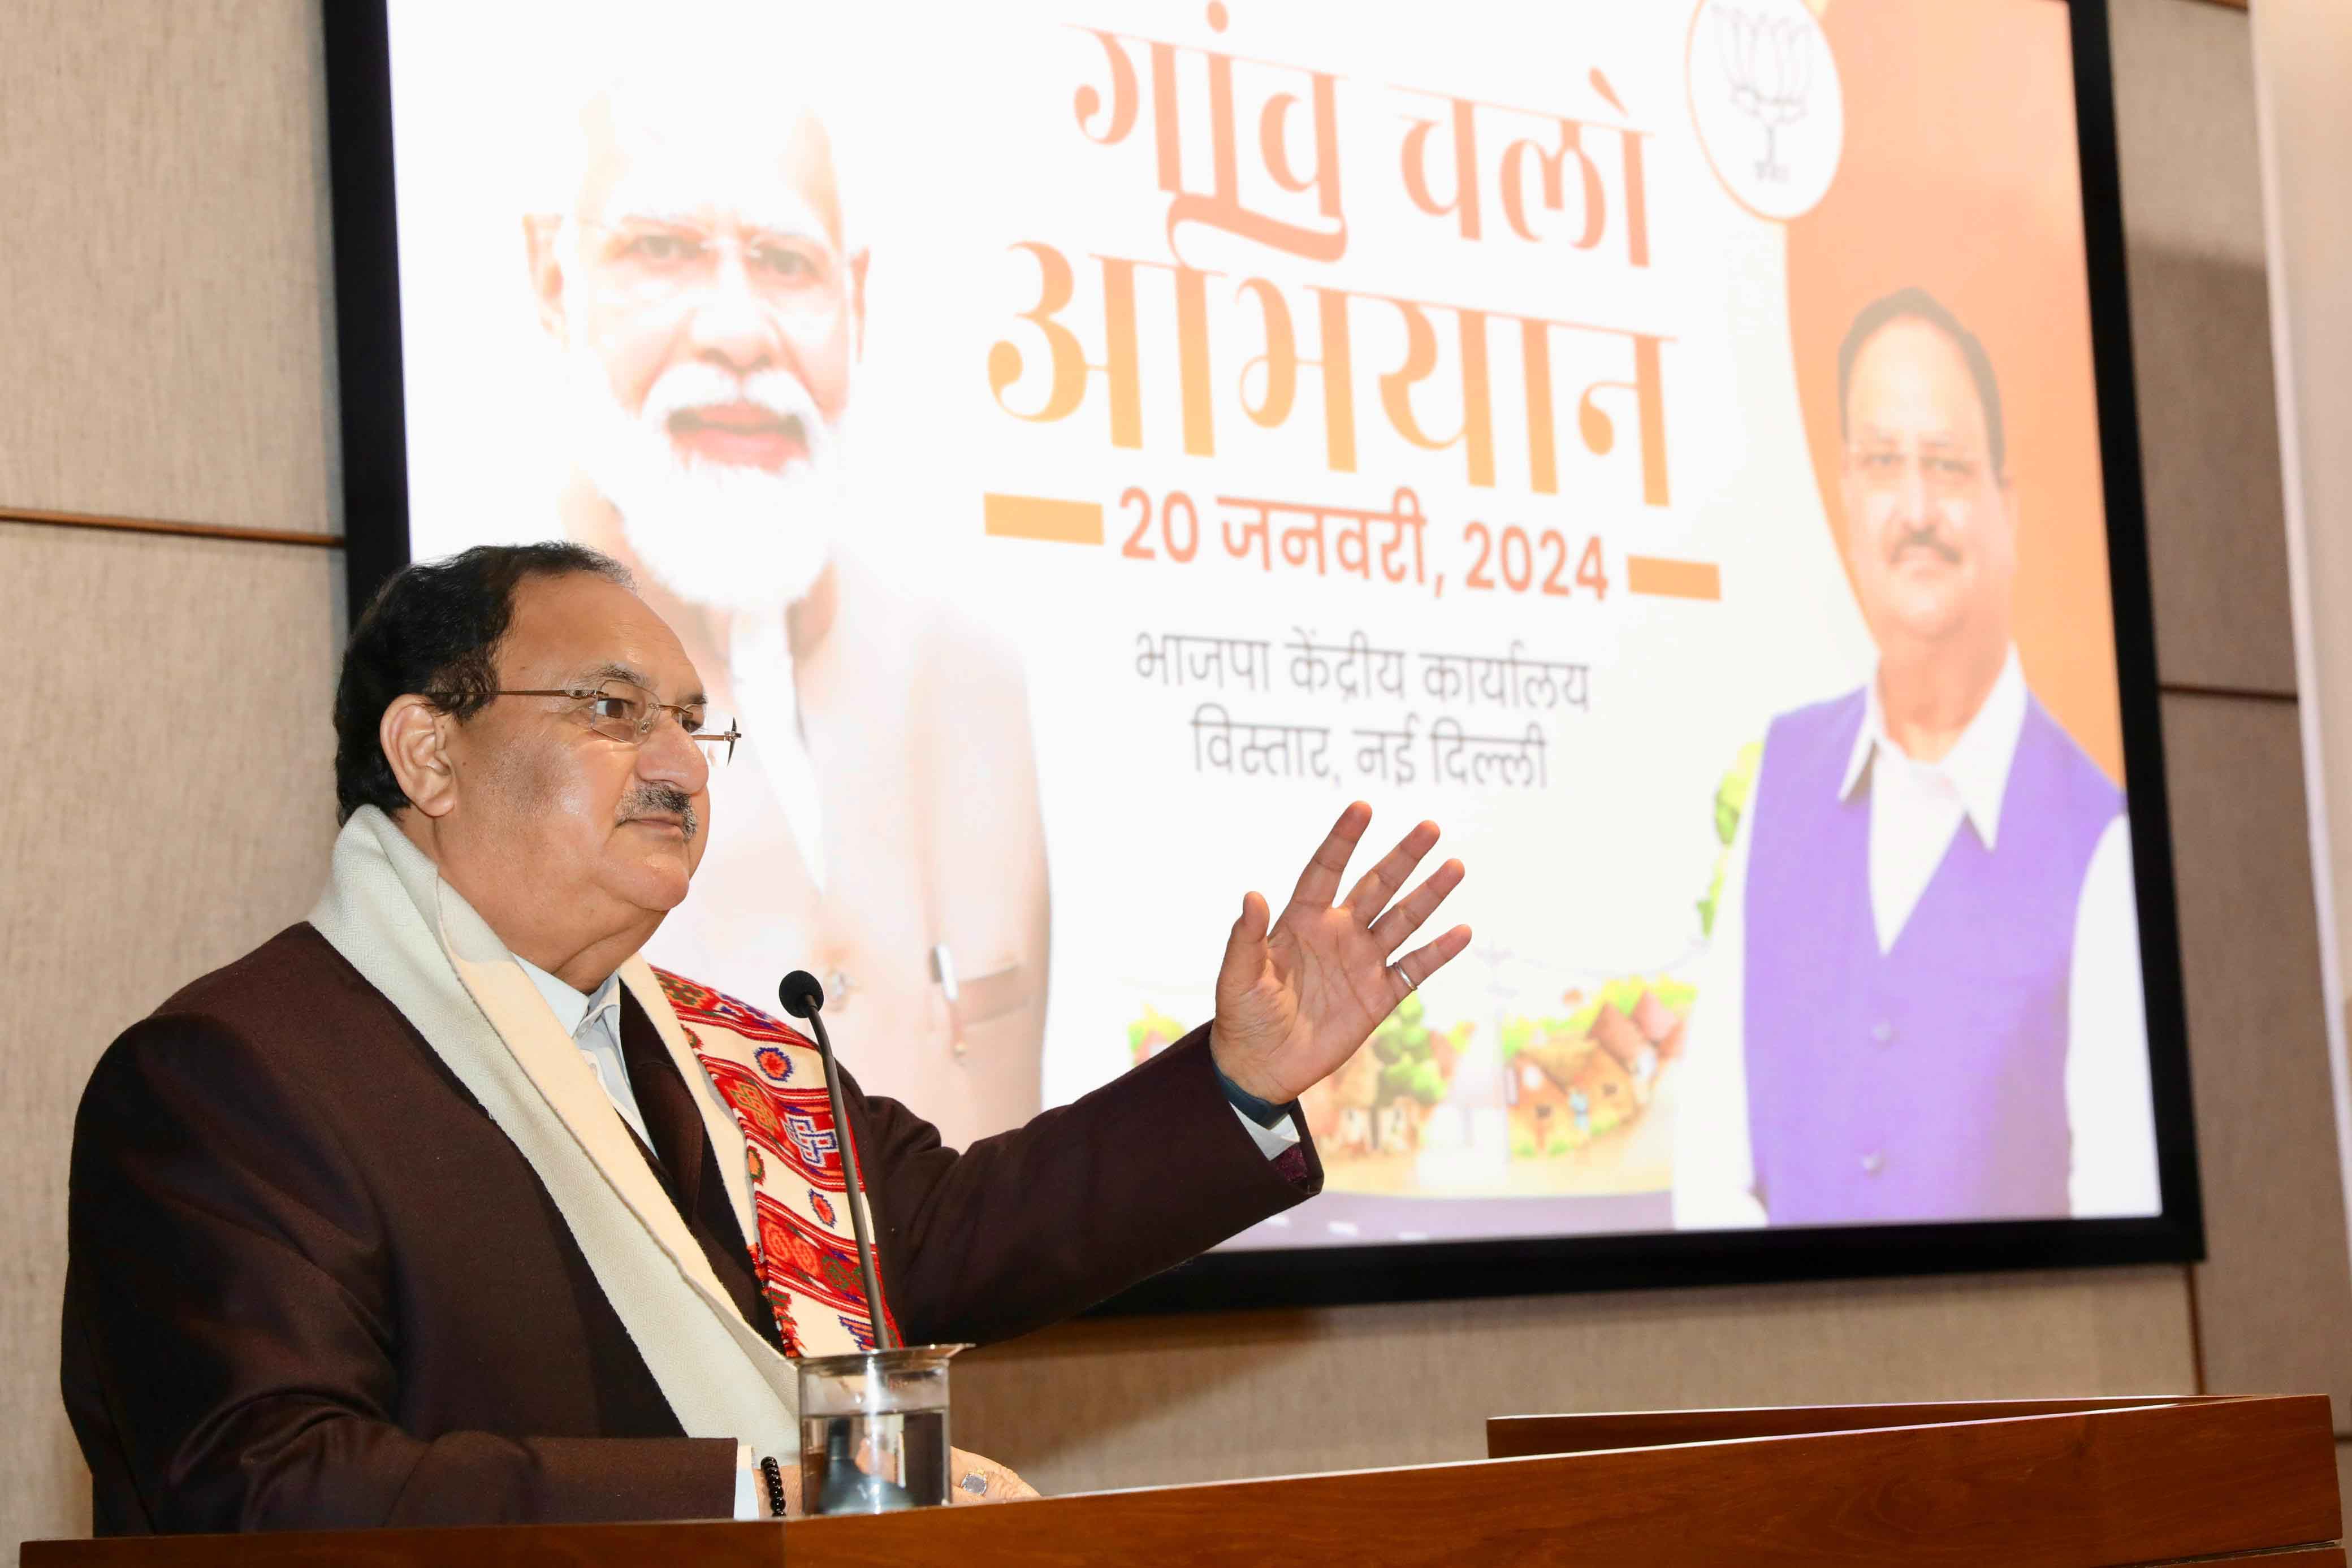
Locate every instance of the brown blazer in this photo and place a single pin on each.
(311, 1285)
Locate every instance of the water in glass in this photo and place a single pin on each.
(874, 1463)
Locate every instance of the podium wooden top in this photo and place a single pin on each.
(1518, 1437)
(2036, 1484)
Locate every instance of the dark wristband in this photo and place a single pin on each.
(1264, 1113)
(773, 1474)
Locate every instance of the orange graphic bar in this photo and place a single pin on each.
(1657, 575)
(1041, 518)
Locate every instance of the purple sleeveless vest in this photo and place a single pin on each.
(1927, 1083)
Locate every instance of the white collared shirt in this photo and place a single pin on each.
(1916, 808)
(594, 1025)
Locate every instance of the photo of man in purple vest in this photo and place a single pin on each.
(1922, 998)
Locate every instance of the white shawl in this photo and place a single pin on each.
(387, 910)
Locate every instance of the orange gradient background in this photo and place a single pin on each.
(1960, 176)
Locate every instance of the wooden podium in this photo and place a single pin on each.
(2084, 1483)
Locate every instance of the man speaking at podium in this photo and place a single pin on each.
(444, 1207)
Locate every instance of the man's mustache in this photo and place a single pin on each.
(1927, 539)
(658, 800)
(684, 388)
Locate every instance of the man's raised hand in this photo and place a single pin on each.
(1295, 1000)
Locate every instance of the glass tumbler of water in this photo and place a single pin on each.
(874, 1429)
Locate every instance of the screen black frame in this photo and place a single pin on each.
(375, 514)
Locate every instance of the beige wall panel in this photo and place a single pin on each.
(2303, 51)
(2200, 332)
(1129, 1402)
(2274, 1302)
(2185, 121)
(171, 805)
(169, 295)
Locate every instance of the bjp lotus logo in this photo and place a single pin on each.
(1768, 63)
(1765, 101)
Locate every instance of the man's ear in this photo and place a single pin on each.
(543, 234)
(415, 736)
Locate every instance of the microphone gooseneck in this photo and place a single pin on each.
(802, 998)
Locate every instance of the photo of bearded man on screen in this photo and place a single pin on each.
(706, 295)
(1924, 998)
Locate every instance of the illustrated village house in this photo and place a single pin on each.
(1561, 1096)
(1348, 1119)
(1339, 1109)
(1562, 1093)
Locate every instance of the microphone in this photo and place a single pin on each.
(803, 998)
(800, 995)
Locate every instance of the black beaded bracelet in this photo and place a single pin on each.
(773, 1474)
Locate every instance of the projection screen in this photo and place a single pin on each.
(1686, 449)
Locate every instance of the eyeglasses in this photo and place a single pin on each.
(1943, 475)
(650, 256)
(624, 711)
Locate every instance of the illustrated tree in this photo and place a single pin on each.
(1155, 1031)
(1730, 805)
(1409, 1068)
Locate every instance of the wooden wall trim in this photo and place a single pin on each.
(160, 526)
